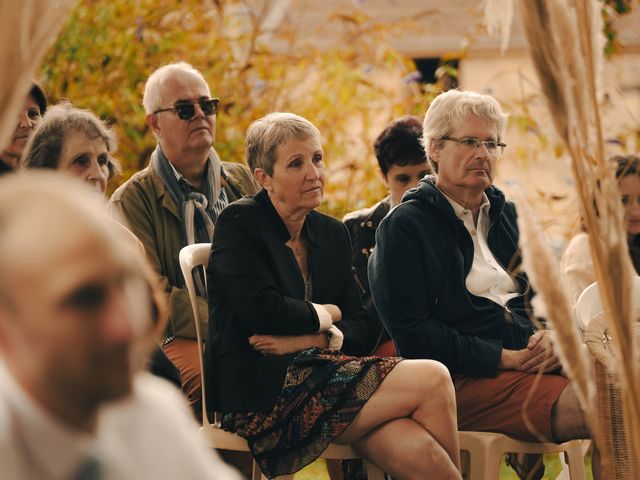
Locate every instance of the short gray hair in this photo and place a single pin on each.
(455, 106)
(265, 135)
(45, 146)
(153, 89)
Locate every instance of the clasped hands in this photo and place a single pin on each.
(539, 355)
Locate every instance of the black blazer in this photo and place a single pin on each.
(255, 286)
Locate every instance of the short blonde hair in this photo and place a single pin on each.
(454, 106)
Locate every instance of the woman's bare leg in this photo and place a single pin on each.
(419, 392)
(406, 451)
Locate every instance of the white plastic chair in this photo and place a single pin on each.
(486, 450)
(197, 255)
(211, 434)
(589, 303)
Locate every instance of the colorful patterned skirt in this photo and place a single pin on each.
(323, 392)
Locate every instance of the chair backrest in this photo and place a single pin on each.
(192, 256)
(589, 303)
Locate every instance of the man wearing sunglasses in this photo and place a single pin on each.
(176, 199)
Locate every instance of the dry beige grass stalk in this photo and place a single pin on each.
(565, 43)
(544, 273)
(28, 28)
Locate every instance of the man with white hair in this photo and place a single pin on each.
(447, 282)
(176, 199)
(75, 330)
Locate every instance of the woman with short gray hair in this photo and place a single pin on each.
(286, 323)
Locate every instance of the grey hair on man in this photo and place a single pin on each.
(455, 106)
(153, 89)
(275, 129)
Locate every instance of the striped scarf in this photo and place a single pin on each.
(199, 211)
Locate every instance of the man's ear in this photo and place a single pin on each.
(263, 178)
(152, 121)
(434, 151)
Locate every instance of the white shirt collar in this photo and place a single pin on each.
(50, 448)
(459, 210)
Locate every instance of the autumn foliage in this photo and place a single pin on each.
(108, 49)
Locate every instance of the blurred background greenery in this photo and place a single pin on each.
(342, 70)
(317, 470)
(107, 50)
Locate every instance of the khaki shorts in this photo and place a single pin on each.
(516, 403)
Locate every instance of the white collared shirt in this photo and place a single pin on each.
(150, 434)
(487, 277)
(40, 445)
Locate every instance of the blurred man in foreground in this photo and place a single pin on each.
(76, 310)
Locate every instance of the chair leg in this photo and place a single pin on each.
(465, 464)
(484, 464)
(334, 469)
(576, 461)
(492, 465)
(256, 472)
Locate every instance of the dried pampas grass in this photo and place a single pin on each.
(498, 16)
(565, 42)
(544, 273)
(28, 27)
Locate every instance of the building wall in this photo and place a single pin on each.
(534, 158)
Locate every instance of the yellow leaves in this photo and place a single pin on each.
(182, 19)
(171, 19)
(150, 37)
(349, 91)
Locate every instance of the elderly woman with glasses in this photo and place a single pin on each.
(446, 280)
(285, 315)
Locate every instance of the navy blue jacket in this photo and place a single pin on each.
(417, 274)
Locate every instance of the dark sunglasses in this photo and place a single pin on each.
(186, 110)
